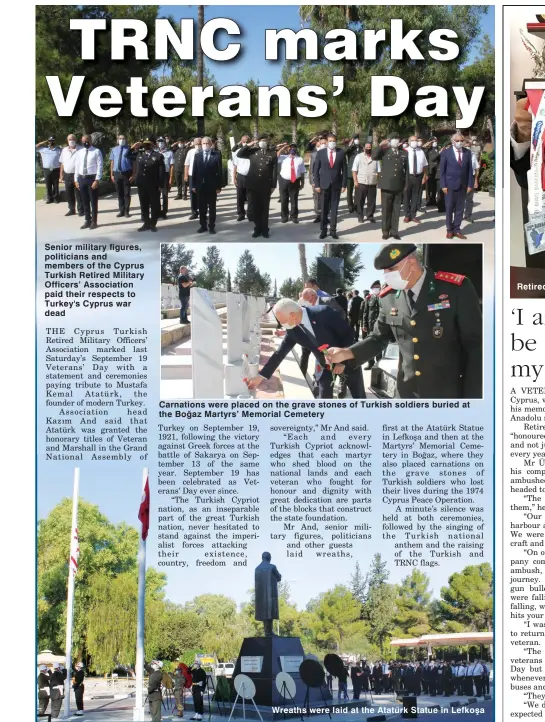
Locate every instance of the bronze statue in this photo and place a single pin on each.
(267, 577)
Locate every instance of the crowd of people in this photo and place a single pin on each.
(433, 678)
(413, 174)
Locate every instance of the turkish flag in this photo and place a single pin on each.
(143, 512)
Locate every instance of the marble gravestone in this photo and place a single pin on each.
(206, 347)
(243, 341)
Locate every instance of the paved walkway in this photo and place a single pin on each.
(53, 226)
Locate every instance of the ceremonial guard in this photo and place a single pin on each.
(168, 157)
(260, 182)
(436, 320)
(79, 688)
(57, 689)
(44, 689)
(181, 150)
(197, 688)
(150, 179)
(155, 696)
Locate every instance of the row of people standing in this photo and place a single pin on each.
(51, 688)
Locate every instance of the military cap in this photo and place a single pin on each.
(376, 283)
(51, 139)
(356, 136)
(393, 135)
(149, 139)
(160, 138)
(392, 253)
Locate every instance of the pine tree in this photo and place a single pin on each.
(291, 288)
(248, 278)
(212, 272)
(275, 292)
(413, 605)
(173, 255)
(358, 585)
(228, 283)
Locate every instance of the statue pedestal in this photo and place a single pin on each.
(271, 649)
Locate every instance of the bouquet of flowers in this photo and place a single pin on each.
(342, 377)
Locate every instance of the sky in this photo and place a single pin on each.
(253, 21)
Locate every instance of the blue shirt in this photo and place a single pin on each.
(168, 157)
(50, 157)
(122, 157)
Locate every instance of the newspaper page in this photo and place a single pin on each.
(265, 365)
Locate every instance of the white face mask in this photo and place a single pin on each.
(323, 147)
(419, 144)
(394, 142)
(332, 145)
(414, 144)
(262, 144)
(288, 326)
(434, 145)
(458, 144)
(394, 279)
(356, 141)
(161, 144)
(303, 303)
(72, 143)
(121, 141)
(206, 147)
(375, 291)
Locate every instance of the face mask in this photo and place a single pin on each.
(394, 279)
(293, 151)
(122, 141)
(434, 145)
(368, 151)
(356, 141)
(86, 144)
(419, 144)
(458, 144)
(288, 326)
(244, 144)
(161, 144)
(323, 147)
(72, 143)
(304, 304)
(332, 145)
(394, 143)
(206, 147)
(262, 144)
(414, 144)
(375, 291)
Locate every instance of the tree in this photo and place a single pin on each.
(291, 288)
(467, 602)
(479, 73)
(212, 272)
(229, 285)
(303, 261)
(331, 615)
(248, 278)
(358, 585)
(378, 574)
(381, 609)
(223, 628)
(173, 255)
(413, 601)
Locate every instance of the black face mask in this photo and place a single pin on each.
(86, 144)
(368, 151)
(52, 144)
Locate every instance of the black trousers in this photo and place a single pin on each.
(355, 326)
(197, 699)
(181, 185)
(350, 192)
(78, 694)
(260, 200)
(305, 355)
(330, 207)
(194, 200)
(317, 198)
(73, 195)
(289, 198)
(149, 204)
(89, 197)
(243, 198)
(354, 381)
(412, 195)
(391, 207)
(431, 189)
(163, 197)
(208, 199)
(51, 176)
(123, 188)
(369, 194)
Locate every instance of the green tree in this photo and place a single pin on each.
(467, 602)
(223, 628)
(212, 272)
(381, 609)
(248, 278)
(174, 255)
(358, 586)
(331, 616)
(229, 284)
(291, 288)
(479, 73)
(413, 601)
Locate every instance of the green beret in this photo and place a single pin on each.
(392, 253)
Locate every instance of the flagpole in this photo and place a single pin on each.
(72, 568)
(138, 714)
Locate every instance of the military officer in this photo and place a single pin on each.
(44, 689)
(354, 148)
(150, 179)
(57, 688)
(393, 175)
(168, 157)
(260, 181)
(155, 695)
(436, 320)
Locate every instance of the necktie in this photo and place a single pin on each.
(119, 160)
(459, 157)
(414, 160)
(331, 161)
(410, 298)
(205, 158)
(293, 176)
(85, 161)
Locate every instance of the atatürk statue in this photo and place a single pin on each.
(267, 577)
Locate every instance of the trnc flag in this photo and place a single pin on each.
(143, 512)
(74, 552)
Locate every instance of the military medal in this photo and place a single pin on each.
(437, 331)
(438, 306)
(393, 312)
(443, 296)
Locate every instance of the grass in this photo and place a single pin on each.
(40, 193)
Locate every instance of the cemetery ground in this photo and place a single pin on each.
(53, 226)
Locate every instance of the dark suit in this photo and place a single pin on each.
(305, 352)
(316, 197)
(456, 177)
(520, 167)
(354, 309)
(331, 181)
(260, 183)
(206, 181)
(440, 349)
(330, 329)
(393, 175)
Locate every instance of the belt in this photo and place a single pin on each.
(415, 175)
(89, 175)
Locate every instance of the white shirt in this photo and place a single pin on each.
(417, 286)
(241, 164)
(68, 158)
(94, 162)
(475, 163)
(190, 157)
(305, 322)
(356, 163)
(476, 670)
(284, 162)
(421, 160)
(519, 149)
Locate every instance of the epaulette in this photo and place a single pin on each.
(456, 278)
(385, 291)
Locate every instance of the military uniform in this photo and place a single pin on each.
(393, 176)
(197, 688)
(150, 178)
(44, 691)
(439, 335)
(155, 696)
(431, 185)
(350, 153)
(260, 183)
(57, 691)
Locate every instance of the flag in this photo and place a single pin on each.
(74, 552)
(143, 512)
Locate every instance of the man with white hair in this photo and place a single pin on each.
(57, 689)
(206, 180)
(436, 320)
(198, 686)
(44, 689)
(315, 328)
(457, 179)
(155, 695)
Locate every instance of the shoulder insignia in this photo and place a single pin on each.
(456, 278)
(385, 291)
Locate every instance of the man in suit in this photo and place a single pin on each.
(436, 320)
(393, 176)
(312, 328)
(354, 311)
(260, 181)
(206, 183)
(342, 301)
(330, 182)
(432, 154)
(456, 180)
(316, 197)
